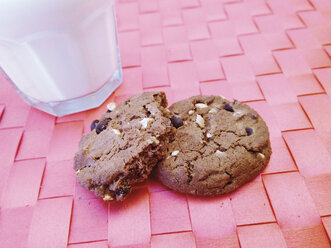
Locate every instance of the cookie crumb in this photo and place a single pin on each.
(212, 111)
(116, 131)
(107, 198)
(261, 155)
(144, 122)
(209, 135)
(174, 153)
(201, 105)
(191, 112)
(219, 153)
(200, 121)
(111, 106)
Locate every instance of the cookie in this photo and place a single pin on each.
(124, 145)
(218, 146)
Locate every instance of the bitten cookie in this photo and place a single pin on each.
(124, 145)
(218, 146)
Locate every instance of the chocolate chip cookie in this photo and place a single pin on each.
(124, 145)
(218, 146)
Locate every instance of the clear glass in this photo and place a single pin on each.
(62, 56)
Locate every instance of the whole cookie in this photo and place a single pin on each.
(124, 146)
(218, 146)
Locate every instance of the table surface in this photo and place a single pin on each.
(272, 54)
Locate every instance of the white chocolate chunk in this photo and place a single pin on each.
(212, 111)
(153, 140)
(156, 141)
(201, 105)
(174, 153)
(209, 135)
(111, 106)
(107, 197)
(116, 131)
(77, 172)
(261, 155)
(144, 122)
(191, 112)
(238, 113)
(200, 121)
(219, 153)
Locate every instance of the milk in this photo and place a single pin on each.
(56, 50)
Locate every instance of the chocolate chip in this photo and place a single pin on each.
(222, 149)
(176, 121)
(249, 131)
(121, 191)
(228, 107)
(228, 173)
(254, 117)
(126, 102)
(108, 110)
(118, 191)
(228, 183)
(102, 125)
(94, 124)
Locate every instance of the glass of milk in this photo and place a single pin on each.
(61, 55)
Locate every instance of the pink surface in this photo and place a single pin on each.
(58, 180)
(50, 223)
(88, 221)
(15, 226)
(169, 213)
(213, 222)
(264, 235)
(23, 183)
(174, 240)
(98, 244)
(250, 205)
(129, 222)
(327, 225)
(320, 190)
(295, 210)
(274, 55)
(65, 138)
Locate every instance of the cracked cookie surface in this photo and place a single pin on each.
(219, 146)
(124, 145)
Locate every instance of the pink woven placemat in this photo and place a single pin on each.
(272, 54)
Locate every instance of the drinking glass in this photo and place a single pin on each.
(62, 56)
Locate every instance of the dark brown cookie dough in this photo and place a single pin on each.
(218, 146)
(124, 145)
